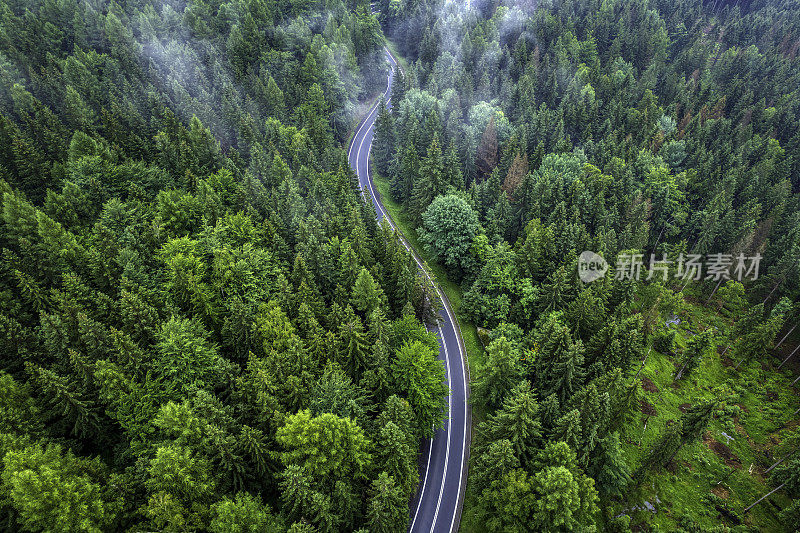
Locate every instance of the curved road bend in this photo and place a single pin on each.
(443, 469)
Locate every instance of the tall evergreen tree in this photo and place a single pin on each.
(383, 146)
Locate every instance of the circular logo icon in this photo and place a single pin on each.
(591, 266)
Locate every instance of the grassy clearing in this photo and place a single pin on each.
(721, 473)
(733, 450)
(400, 59)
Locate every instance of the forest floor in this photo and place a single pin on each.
(712, 481)
(738, 443)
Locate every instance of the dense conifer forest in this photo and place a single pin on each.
(663, 134)
(203, 326)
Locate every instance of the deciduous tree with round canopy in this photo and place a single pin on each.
(449, 226)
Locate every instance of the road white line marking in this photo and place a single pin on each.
(424, 484)
(449, 420)
(358, 154)
(352, 143)
(446, 310)
(464, 436)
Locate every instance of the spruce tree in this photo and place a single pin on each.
(517, 420)
(383, 145)
(387, 508)
(698, 347)
(501, 373)
(496, 460)
(429, 183)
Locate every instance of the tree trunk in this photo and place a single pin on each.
(773, 289)
(674, 454)
(714, 291)
(680, 372)
(644, 429)
(786, 336)
(643, 362)
(729, 474)
(790, 356)
(763, 497)
(776, 463)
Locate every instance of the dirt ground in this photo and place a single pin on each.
(723, 452)
(647, 407)
(648, 385)
(721, 491)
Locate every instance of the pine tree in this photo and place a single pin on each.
(326, 446)
(352, 340)
(453, 175)
(486, 157)
(557, 291)
(559, 362)
(387, 509)
(405, 176)
(550, 410)
(517, 171)
(662, 451)
(245, 514)
(501, 372)
(508, 503)
(608, 467)
(698, 347)
(517, 421)
(568, 429)
(367, 295)
(276, 105)
(53, 490)
(687, 429)
(64, 402)
(429, 183)
(493, 463)
(297, 491)
(759, 335)
(565, 499)
(383, 146)
(397, 458)
(403, 83)
(696, 419)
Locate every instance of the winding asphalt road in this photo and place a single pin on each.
(443, 466)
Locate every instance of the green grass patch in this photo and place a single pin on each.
(733, 450)
(400, 59)
(469, 333)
